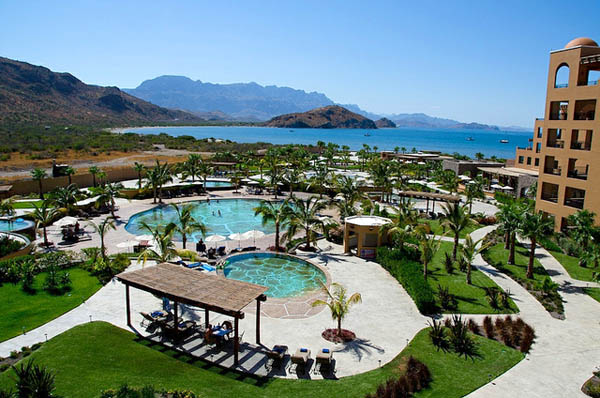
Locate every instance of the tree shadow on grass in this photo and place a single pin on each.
(361, 347)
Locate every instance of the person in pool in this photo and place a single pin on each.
(219, 213)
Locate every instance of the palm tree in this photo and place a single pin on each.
(449, 180)
(69, 172)
(428, 246)
(43, 216)
(474, 190)
(582, 229)
(139, 167)
(7, 207)
(102, 229)
(319, 179)
(186, 223)
(164, 248)
(107, 195)
(339, 303)
(479, 156)
(303, 216)
(404, 218)
(350, 193)
(381, 171)
(274, 212)
(38, 175)
(189, 168)
(94, 171)
(509, 217)
(534, 226)
(65, 197)
(204, 170)
(468, 251)
(157, 177)
(456, 219)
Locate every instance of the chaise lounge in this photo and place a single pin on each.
(300, 359)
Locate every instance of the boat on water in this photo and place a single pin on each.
(470, 139)
(367, 135)
(504, 141)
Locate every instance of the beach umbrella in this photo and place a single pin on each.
(144, 237)
(127, 244)
(496, 186)
(66, 221)
(253, 234)
(215, 238)
(237, 237)
(507, 188)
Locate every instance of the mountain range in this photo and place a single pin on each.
(253, 102)
(36, 95)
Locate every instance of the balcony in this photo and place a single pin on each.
(579, 172)
(550, 192)
(552, 170)
(525, 148)
(581, 140)
(585, 109)
(574, 197)
(555, 143)
(581, 146)
(574, 202)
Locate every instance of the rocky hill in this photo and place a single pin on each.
(328, 117)
(384, 122)
(36, 95)
(241, 101)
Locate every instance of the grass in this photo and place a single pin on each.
(23, 310)
(27, 205)
(593, 292)
(498, 253)
(471, 298)
(96, 356)
(437, 229)
(571, 264)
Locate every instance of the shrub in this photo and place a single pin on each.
(4, 367)
(462, 343)
(410, 275)
(8, 245)
(488, 327)
(504, 296)
(448, 264)
(447, 300)
(492, 297)
(473, 326)
(527, 339)
(438, 337)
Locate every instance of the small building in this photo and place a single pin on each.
(363, 233)
(519, 180)
(5, 191)
(460, 167)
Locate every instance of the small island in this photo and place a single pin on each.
(384, 122)
(328, 117)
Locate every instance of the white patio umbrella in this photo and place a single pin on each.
(237, 237)
(496, 186)
(144, 237)
(215, 238)
(507, 188)
(66, 221)
(127, 244)
(253, 234)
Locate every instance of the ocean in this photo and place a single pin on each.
(445, 140)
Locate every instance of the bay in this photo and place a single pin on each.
(444, 140)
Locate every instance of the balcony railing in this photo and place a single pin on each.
(525, 148)
(578, 172)
(561, 85)
(574, 202)
(555, 171)
(580, 145)
(550, 197)
(592, 82)
(556, 144)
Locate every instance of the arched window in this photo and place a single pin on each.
(562, 76)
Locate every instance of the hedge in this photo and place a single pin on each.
(410, 274)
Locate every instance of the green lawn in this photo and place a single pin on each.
(27, 205)
(96, 356)
(593, 292)
(22, 310)
(471, 298)
(437, 229)
(498, 253)
(571, 264)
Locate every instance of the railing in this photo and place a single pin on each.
(561, 85)
(592, 82)
(574, 202)
(525, 148)
(556, 144)
(580, 145)
(578, 172)
(555, 171)
(550, 197)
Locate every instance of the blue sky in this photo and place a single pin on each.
(482, 61)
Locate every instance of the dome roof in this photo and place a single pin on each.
(581, 41)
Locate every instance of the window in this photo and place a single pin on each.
(561, 79)
(536, 162)
(585, 109)
(559, 110)
(539, 132)
(521, 159)
(528, 160)
(538, 147)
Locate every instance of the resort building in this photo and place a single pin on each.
(563, 148)
(363, 233)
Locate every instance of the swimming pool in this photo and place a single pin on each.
(218, 184)
(236, 216)
(285, 276)
(15, 225)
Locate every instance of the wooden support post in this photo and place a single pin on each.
(427, 209)
(236, 341)
(128, 305)
(175, 321)
(433, 206)
(206, 318)
(258, 320)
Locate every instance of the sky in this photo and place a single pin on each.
(483, 61)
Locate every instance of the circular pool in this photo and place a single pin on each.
(285, 276)
(18, 224)
(221, 217)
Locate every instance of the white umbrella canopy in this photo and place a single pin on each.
(144, 237)
(507, 188)
(215, 238)
(127, 243)
(236, 236)
(496, 186)
(253, 234)
(66, 221)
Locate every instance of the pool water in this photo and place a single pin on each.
(218, 184)
(237, 216)
(285, 276)
(15, 225)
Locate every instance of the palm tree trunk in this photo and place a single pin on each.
(531, 258)
(160, 194)
(69, 176)
(153, 194)
(45, 236)
(469, 273)
(184, 240)
(425, 270)
(507, 240)
(277, 237)
(511, 253)
(339, 326)
(41, 193)
(307, 238)
(455, 248)
(139, 180)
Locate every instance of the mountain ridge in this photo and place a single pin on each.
(328, 117)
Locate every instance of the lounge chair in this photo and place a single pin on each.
(324, 361)
(300, 359)
(149, 319)
(221, 250)
(275, 356)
